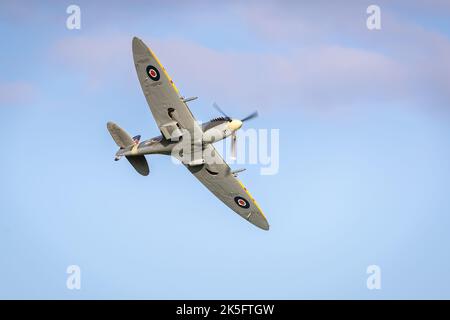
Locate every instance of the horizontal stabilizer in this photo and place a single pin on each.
(121, 138)
(140, 164)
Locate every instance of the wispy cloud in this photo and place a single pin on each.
(99, 58)
(314, 56)
(16, 93)
(320, 75)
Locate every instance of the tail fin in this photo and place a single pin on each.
(123, 140)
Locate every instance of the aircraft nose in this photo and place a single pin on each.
(235, 124)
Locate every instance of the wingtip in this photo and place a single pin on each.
(139, 47)
(265, 227)
(110, 125)
(261, 222)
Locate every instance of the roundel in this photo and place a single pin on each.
(241, 202)
(153, 73)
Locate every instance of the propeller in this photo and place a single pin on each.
(221, 111)
(233, 135)
(233, 145)
(250, 116)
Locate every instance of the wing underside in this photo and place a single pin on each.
(169, 110)
(216, 176)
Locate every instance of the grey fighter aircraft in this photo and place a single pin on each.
(184, 138)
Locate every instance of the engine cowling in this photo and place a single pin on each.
(217, 133)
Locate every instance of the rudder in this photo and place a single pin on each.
(120, 136)
(124, 141)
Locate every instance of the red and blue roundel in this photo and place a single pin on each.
(241, 202)
(153, 73)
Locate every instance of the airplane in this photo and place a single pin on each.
(184, 138)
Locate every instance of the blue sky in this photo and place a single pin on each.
(364, 151)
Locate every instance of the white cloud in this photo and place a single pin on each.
(101, 59)
(16, 93)
(314, 56)
(320, 76)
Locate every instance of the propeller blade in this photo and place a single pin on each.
(233, 145)
(250, 116)
(220, 110)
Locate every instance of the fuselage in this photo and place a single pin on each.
(213, 131)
